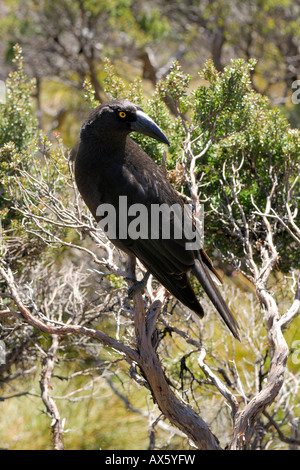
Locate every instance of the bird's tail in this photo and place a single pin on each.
(201, 271)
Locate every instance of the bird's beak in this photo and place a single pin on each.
(145, 125)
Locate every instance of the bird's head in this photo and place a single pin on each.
(119, 118)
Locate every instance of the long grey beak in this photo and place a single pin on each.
(145, 125)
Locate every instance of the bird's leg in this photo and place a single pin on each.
(138, 285)
(130, 268)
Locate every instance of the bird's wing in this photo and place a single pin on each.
(141, 180)
(146, 185)
(162, 267)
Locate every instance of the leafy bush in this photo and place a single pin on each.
(18, 131)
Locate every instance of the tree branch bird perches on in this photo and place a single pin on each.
(109, 164)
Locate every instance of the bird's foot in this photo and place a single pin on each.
(138, 285)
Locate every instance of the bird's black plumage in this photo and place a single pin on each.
(109, 164)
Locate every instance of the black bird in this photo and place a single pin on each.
(109, 164)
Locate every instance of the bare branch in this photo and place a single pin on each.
(178, 414)
(219, 384)
(7, 275)
(45, 384)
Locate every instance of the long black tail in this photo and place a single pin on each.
(201, 271)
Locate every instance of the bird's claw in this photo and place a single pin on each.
(138, 285)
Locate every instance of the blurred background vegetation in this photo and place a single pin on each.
(64, 42)
(80, 52)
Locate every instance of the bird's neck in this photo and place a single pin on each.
(100, 149)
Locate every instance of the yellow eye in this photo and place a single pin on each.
(122, 114)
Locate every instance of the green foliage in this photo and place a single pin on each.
(18, 125)
(115, 87)
(24, 148)
(89, 94)
(18, 131)
(176, 86)
(247, 134)
(233, 130)
(154, 25)
(250, 135)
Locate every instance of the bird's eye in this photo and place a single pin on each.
(122, 114)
